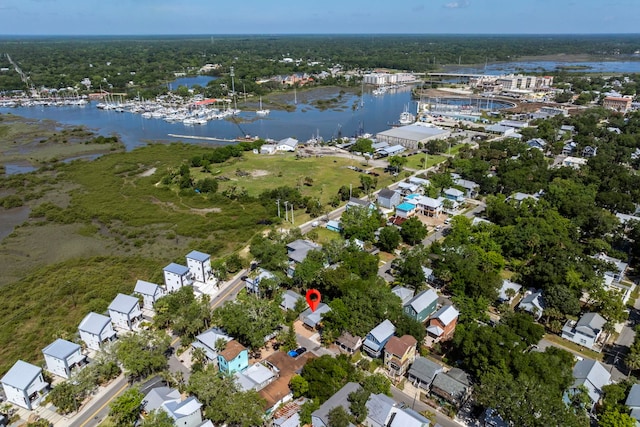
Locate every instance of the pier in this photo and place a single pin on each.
(205, 138)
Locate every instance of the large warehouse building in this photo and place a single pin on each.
(410, 136)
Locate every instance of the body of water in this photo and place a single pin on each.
(614, 67)
(192, 81)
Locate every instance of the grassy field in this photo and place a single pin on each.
(415, 161)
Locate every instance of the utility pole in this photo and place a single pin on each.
(278, 202)
(350, 189)
(286, 210)
(292, 222)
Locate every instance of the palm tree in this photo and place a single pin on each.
(632, 361)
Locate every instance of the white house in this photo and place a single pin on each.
(176, 276)
(96, 329)
(574, 162)
(185, 413)
(267, 148)
(199, 265)
(125, 311)
(62, 356)
(24, 385)
(585, 331)
(150, 293)
(287, 144)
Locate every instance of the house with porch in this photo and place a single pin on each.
(252, 281)
(184, 413)
(297, 252)
(376, 339)
(537, 143)
(423, 371)
(405, 210)
(313, 319)
(586, 331)
(429, 206)
(95, 330)
(320, 417)
(453, 386)
(24, 385)
(176, 276)
(125, 312)
(199, 265)
(454, 195)
(150, 293)
(442, 323)
(593, 376)
(62, 357)
(354, 202)
(533, 303)
(209, 341)
(234, 358)
(422, 305)
(469, 187)
(399, 353)
(349, 343)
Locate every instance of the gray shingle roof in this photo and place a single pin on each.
(178, 269)
(633, 400)
(157, 396)
(424, 369)
(312, 318)
(298, 249)
(379, 408)
(592, 375)
(385, 193)
(198, 256)
(21, 375)
(94, 323)
(61, 349)
(123, 303)
(590, 324)
(423, 300)
(340, 398)
(405, 294)
(449, 385)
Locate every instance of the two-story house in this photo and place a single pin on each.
(376, 339)
(24, 385)
(443, 323)
(176, 276)
(454, 195)
(593, 376)
(199, 265)
(422, 305)
(297, 252)
(453, 386)
(210, 341)
(150, 293)
(389, 199)
(423, 371)
(234, 358)
(399, 353)
(62, 357)
(586, 331)
(184, 413)
(125, 311)
(252, 281)
(95, 330)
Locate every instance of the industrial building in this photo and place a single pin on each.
(412, 135)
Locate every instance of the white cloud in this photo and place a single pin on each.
(457, 4)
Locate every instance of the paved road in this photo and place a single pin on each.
(98, 408)
(420, 406)
(313, 347)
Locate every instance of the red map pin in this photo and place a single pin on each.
(313, 299)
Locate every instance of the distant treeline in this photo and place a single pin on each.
(150, 62)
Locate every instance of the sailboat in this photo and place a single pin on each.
(261, 111)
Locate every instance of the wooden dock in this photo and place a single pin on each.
(203, 138)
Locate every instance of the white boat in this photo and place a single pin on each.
(261, 111)
(406, 118)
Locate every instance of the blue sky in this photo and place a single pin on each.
(107, 17)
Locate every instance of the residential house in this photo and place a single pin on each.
(287, 144)
(176, 276)
(376, 339)
(620, 267)
(268, 148)
(354, 202)
(24, 385)
(252, 281)
(312, 319)
(234, 358)
(380, 410)
(297, 251)
(277, 392)
(407, 417)
(589, 151)
(633, 402)
(569, 148)
(95, 330)
(388, 198)
(454, 195)
(470, 188)
(567, 128)
(290, 299)
(532, 303)
(320, 417)
(185, 413)
(150, 293)
(288, 415)
(574, 162)
(125, 311)
(255, 377)
(537, 143)
(349, 343)
(586, 331)
(423, 372)
(421, 182)
(406, 188)
(209, 342)
(592, 375)
(453, 386)
(613, 278)
(405, 210)
(333, 225)
(399, 353)
(429, 276)
(422, 305)
(520, 197)
(508, 291)
(405, 294)
(429, 206)
(199, 265)
(442, 323)
(62, 357)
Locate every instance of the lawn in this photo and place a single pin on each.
(415, 161)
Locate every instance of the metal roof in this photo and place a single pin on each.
(340, 398)
(379, 408)
(416, 132)
(590, 324)
(145, 288)
(123, 303)
(61, 349)
(94, 323)
(446, 314)
(405, 294)
(423, 300)
(633, 400)
(21, 375)
(178, 269)
(406, 207)
(198, 256)
(424, 369)
(593, 376)
(383, 331)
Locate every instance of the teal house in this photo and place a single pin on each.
(234, 358)
(422, 305)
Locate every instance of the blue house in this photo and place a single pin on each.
(333, 225)
(422, 305)
(405, 210)
(454, 194)
(234, 358)
(378, 337)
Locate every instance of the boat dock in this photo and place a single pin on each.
(204, 138)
